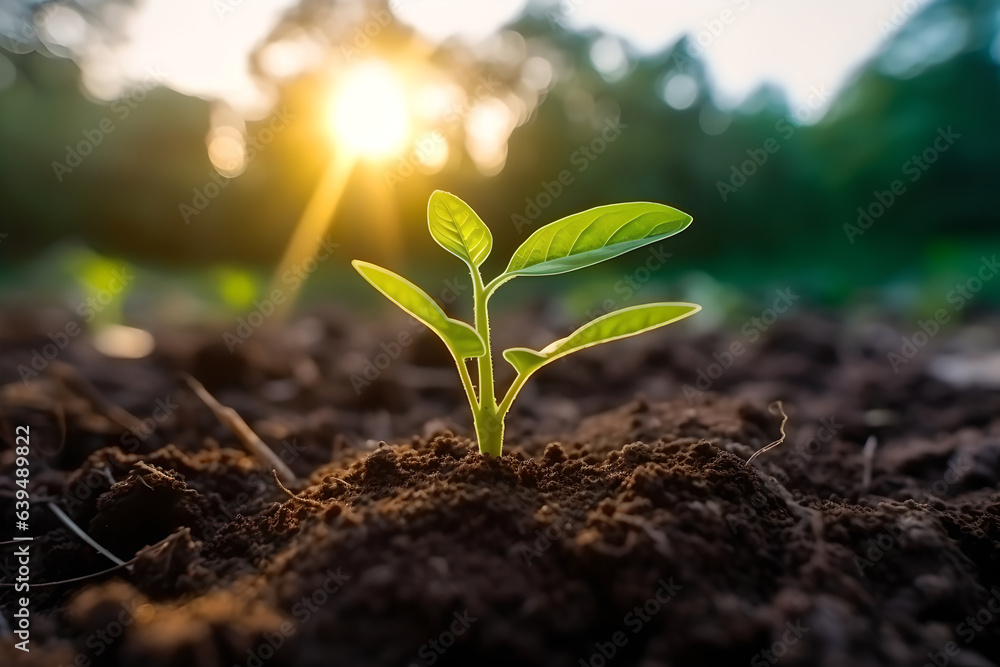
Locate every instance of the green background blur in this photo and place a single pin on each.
(759, 224)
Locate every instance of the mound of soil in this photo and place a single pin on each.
(623, 525)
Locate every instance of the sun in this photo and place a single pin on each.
(369, 113)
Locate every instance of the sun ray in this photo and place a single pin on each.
(311, 227)
(368, 119)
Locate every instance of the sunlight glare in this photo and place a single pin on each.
(369, 114)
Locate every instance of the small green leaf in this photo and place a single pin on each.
(584, 239)
(461, 339)
(618, 324)
(457, 228)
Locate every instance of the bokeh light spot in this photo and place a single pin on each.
(680, 91)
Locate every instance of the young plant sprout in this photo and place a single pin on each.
(574, 242)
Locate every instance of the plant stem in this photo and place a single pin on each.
(489, 433)
(488, 421)
(487, 397)
(512, 392)
(470, 390)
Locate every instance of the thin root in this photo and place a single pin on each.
(239, 427)
(84, 536)
(158, 546)
(309, 501)
(776, 404)
(71, 379)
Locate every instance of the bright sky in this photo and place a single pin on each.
(200, 46)
(197, 47)
(801, 45)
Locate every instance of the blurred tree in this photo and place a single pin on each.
(771, 195)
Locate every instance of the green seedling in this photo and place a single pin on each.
(574, 242)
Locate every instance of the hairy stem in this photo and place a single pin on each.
(489, 424)
(470, 390)
(487, 395)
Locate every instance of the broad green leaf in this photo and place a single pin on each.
(457, 228)
(618, 324)
(584, 239)
(460, 338)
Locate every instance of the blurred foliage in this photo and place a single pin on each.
(784, 225)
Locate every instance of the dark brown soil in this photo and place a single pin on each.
(623, 525)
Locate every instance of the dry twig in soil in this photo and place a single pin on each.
(242, 430)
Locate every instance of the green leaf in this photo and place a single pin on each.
(584, 239)
(457, 228)
(618, 324)
(461, 339)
